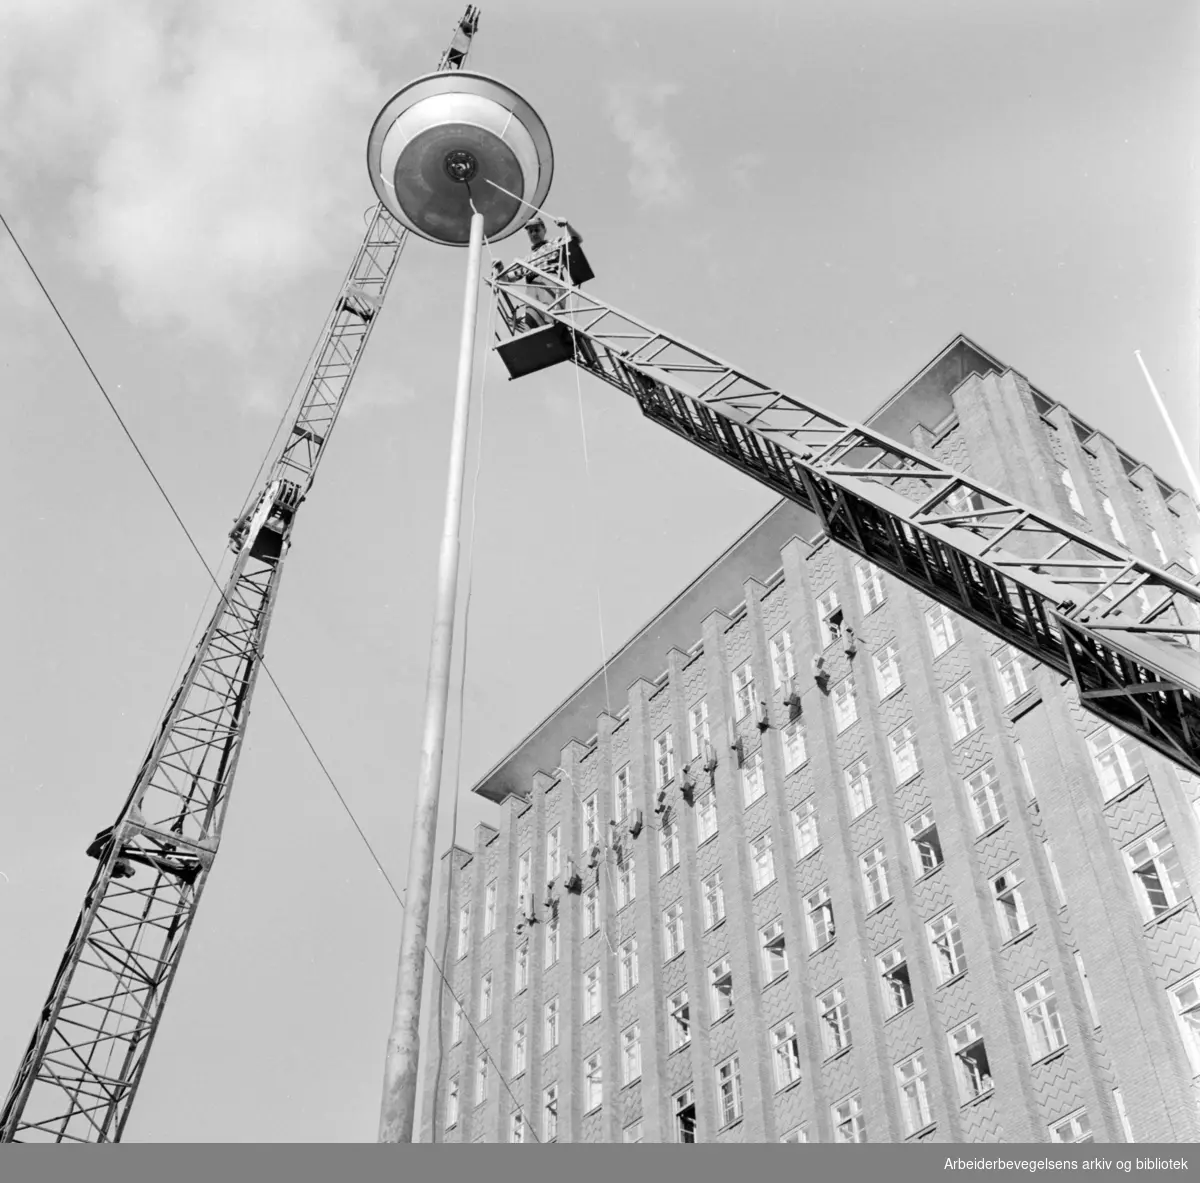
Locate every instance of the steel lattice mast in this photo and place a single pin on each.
(1124, 631)
(81, 1071)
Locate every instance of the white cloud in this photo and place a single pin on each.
(655, 173)
(202, 159)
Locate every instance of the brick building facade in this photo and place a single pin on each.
(847, 868)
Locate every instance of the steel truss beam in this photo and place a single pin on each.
(1124, 631)
(89, 1049)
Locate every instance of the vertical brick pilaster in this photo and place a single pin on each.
(434, 1083)
(572, 1046)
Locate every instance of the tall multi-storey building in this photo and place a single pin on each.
(838, 865)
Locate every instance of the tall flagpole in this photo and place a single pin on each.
(1183, 456)
(434, 140)
(404, 1043)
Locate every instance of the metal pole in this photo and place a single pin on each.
(404, 1042)
(1183, 456)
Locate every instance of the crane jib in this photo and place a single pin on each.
(82, 1067)
(1123, 630)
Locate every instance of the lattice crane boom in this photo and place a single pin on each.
(89, 1049)
(1124, 631)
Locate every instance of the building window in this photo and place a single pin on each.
(698, 735)
(516, 1132)
(1158, 879)
(518, 1049)
(591, 825)
(905, 761)
(627, 965)
(986, 803)
(521, 968)
(818, 912)
(1039, 1012)
(943, 628)
(525, 882)
(668, 844)
(783, 660)
(593, 1083)
(874, 877)
(552, 941)
(622, 794)
(835, 1021)
(762, 862)
(550, 1024)
(804, 827)
(894, 977)
(886, 661)
(1162, 558)
(485, 996)
(481, 1078)
(685, 1115)
(664, 760)
(754, 783)
(672, 931)
(553, 854)
(1117, 759)
(1012, 672)
(774, 950)
(1186, 1001)
(743, 691)
(464, 930)
(1114, 526)
(489, 908)
(858, 788)
(706, 817)
(798, 1134)
(591, 910)
(631, 1054)
(720, 979)
(845, 709)
(945, 941)
(925, 843)
(785, 1047)
(870, 585)
(1075, 1128)
(729, 1091)
(1010, 906)
(1025, 774)
(1068, 483)
(458, 1021)
(452, 1103)
(550, 1113)
(965, 501)
(591, 993)
(962, 705)
(795, 749)
(714, 899)
(848, 1123)
(626, 883)
(970, 1060)
(1087, 991)
(1058, 887)
(912, 1081)
(829, 618)
(632, 1132)
(679, 1025)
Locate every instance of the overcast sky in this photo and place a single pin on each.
(824, 193)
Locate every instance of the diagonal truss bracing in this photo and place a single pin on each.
(1124, 631)
(89, 1048)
